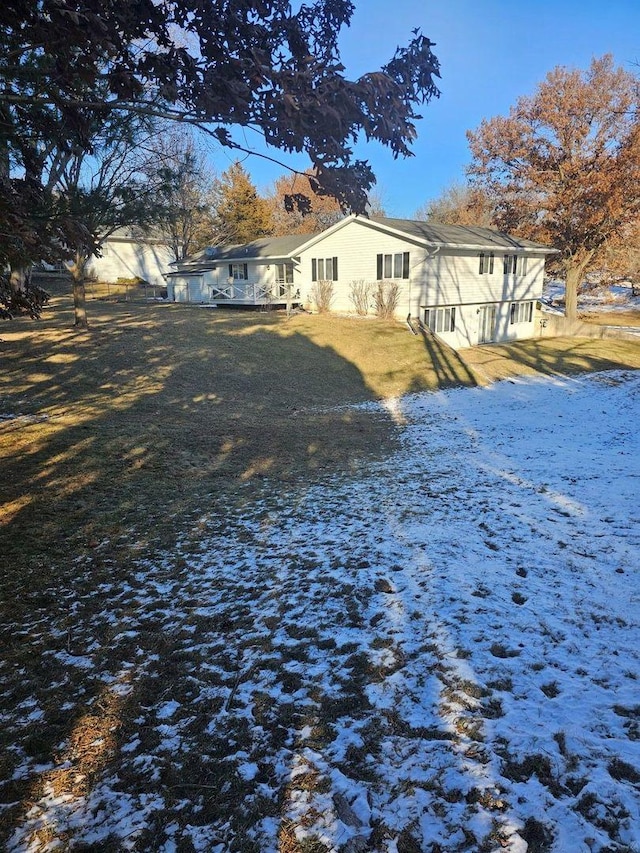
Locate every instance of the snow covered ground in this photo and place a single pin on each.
(608, 299)
(441, 654)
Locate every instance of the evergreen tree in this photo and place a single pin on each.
(240, 214)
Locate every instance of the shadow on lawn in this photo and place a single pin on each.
(552, 357)
(116, 440)
(451, 370)
(122, 438)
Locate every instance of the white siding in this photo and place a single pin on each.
(442, 277)
(128, 259)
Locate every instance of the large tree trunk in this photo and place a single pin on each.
(572, 282)
(79, 294)
(574, 274)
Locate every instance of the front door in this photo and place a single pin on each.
(487, 330)
(284, 279)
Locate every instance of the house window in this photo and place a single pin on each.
(486, 263)
(440, 319)
(392, 266)
(521, 312)
(238, 272)
(324, 269)
(514, 264)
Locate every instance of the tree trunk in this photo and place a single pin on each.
(574, 274)
(19, 278)
(572, 281)
(79, 292)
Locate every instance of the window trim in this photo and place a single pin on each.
(388, 263)
(435, 318)
(315, 266)
(243, 268)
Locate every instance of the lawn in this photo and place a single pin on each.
(198, 511)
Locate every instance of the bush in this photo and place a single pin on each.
(385, 299)
(135, 280)
(360, 292)
(322, 295)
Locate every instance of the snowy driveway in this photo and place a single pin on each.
(440, 655)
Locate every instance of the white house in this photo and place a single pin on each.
(127, 254)
(468, 285)
(265, 271)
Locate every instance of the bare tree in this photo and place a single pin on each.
(564, 166)
(119, 184)
(459, 204)
(188, 223)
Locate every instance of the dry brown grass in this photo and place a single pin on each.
(613, 318)
(121, 432)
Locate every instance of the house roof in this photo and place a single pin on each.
(424, 233)
(265, 248)
(136, 234)
(456, 235)
(438, 236)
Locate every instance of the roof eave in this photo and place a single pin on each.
(474, 247)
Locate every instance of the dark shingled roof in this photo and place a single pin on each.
(264, 247)
(457, 235)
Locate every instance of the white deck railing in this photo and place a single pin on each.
(242, 292)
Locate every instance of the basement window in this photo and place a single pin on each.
(521, 312)
(440, 319)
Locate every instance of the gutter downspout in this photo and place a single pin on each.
(426, 258)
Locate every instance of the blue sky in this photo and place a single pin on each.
(491, 52)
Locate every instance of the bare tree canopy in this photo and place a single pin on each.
(187, 222)
(459, 204)
(564, 166)
(296, 209)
